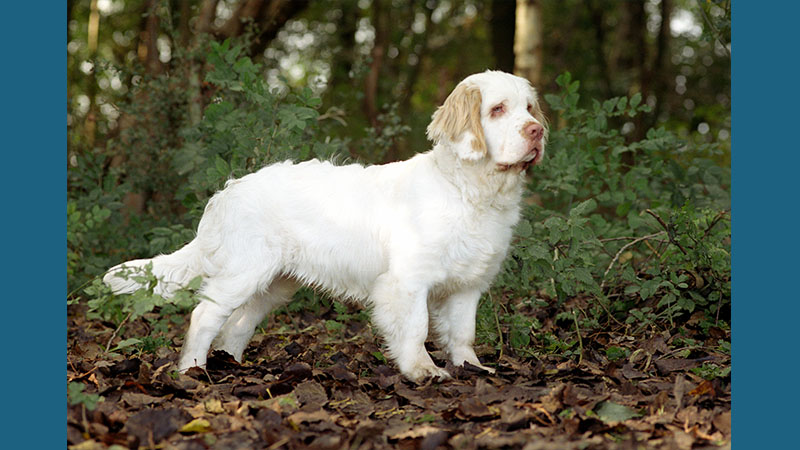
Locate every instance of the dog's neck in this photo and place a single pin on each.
(481, 182)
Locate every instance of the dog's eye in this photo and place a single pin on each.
(497, 110)
(530, 108)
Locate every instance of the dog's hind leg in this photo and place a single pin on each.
(240, 326)
(223, 295)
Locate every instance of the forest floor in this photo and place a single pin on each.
(320, 381)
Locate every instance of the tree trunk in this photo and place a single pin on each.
(414, 71)
(637, 29)
(91, 86)
(661, 87)
(148, 42)
(205, 19)
(346, 43)
(503, 25)
(184, 31)
(528, 41)
(380, 21)
(268, 17)
(246, 10)
(598, 19)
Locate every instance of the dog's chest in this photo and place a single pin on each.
(476, 246)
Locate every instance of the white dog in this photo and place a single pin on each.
(417, 240)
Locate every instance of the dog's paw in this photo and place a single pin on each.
(420, 373)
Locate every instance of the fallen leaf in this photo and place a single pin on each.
(137, 400)
(155, 424)
(87, 445)
(196, 426)
(706, 387)
(666, 366)
(611, 413)
(416, 432)
(309, 417)
(722, 422)
(630, 373)
(340, 373)
(472, 409)
(213, 406)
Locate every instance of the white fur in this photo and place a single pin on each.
(417, 240)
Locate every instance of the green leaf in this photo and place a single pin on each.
(538, 251)
(649, 288)
(611, 412)
(524, 229)
(520, 337)
(583, 208)
(631, 289)
(583, 275)
(195, 283)
(635, 100)
(222, 167)
(77, 396)
(564, 79)
(126, 343)
(614, 353)
(379, 356)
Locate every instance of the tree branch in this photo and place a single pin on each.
(625, 247)
(668, 230)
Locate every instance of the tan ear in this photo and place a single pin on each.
(460, 112)
(538, 114)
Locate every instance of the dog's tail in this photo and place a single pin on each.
(172, 272)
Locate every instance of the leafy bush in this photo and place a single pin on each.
(645, 242)
(640, 229)
(246, 126)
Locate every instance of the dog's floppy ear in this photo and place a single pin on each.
(538, 114)
(460, 113)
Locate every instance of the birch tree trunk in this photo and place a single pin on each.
(528, 41)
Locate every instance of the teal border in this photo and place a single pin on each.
(765, 171)
(34, 357)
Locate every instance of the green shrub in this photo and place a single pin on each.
(639, 227)
(246, 126)
(646, 242)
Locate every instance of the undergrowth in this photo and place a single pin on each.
(616, 232)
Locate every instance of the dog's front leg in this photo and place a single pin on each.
(454, 322)
(401, 313)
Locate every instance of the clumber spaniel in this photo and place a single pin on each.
(418, 241)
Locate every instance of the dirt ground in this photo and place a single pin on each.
(320, 381)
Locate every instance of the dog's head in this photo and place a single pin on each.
(492, 114)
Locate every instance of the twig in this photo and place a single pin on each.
(716, 219)
(497, 324)
(668, 230)
(278, 444)
(609, 312)
(625, 247)
(714, 30)
(580, 341)
(207, 374)
(652, 249)
(113, 335)
(678, 350)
